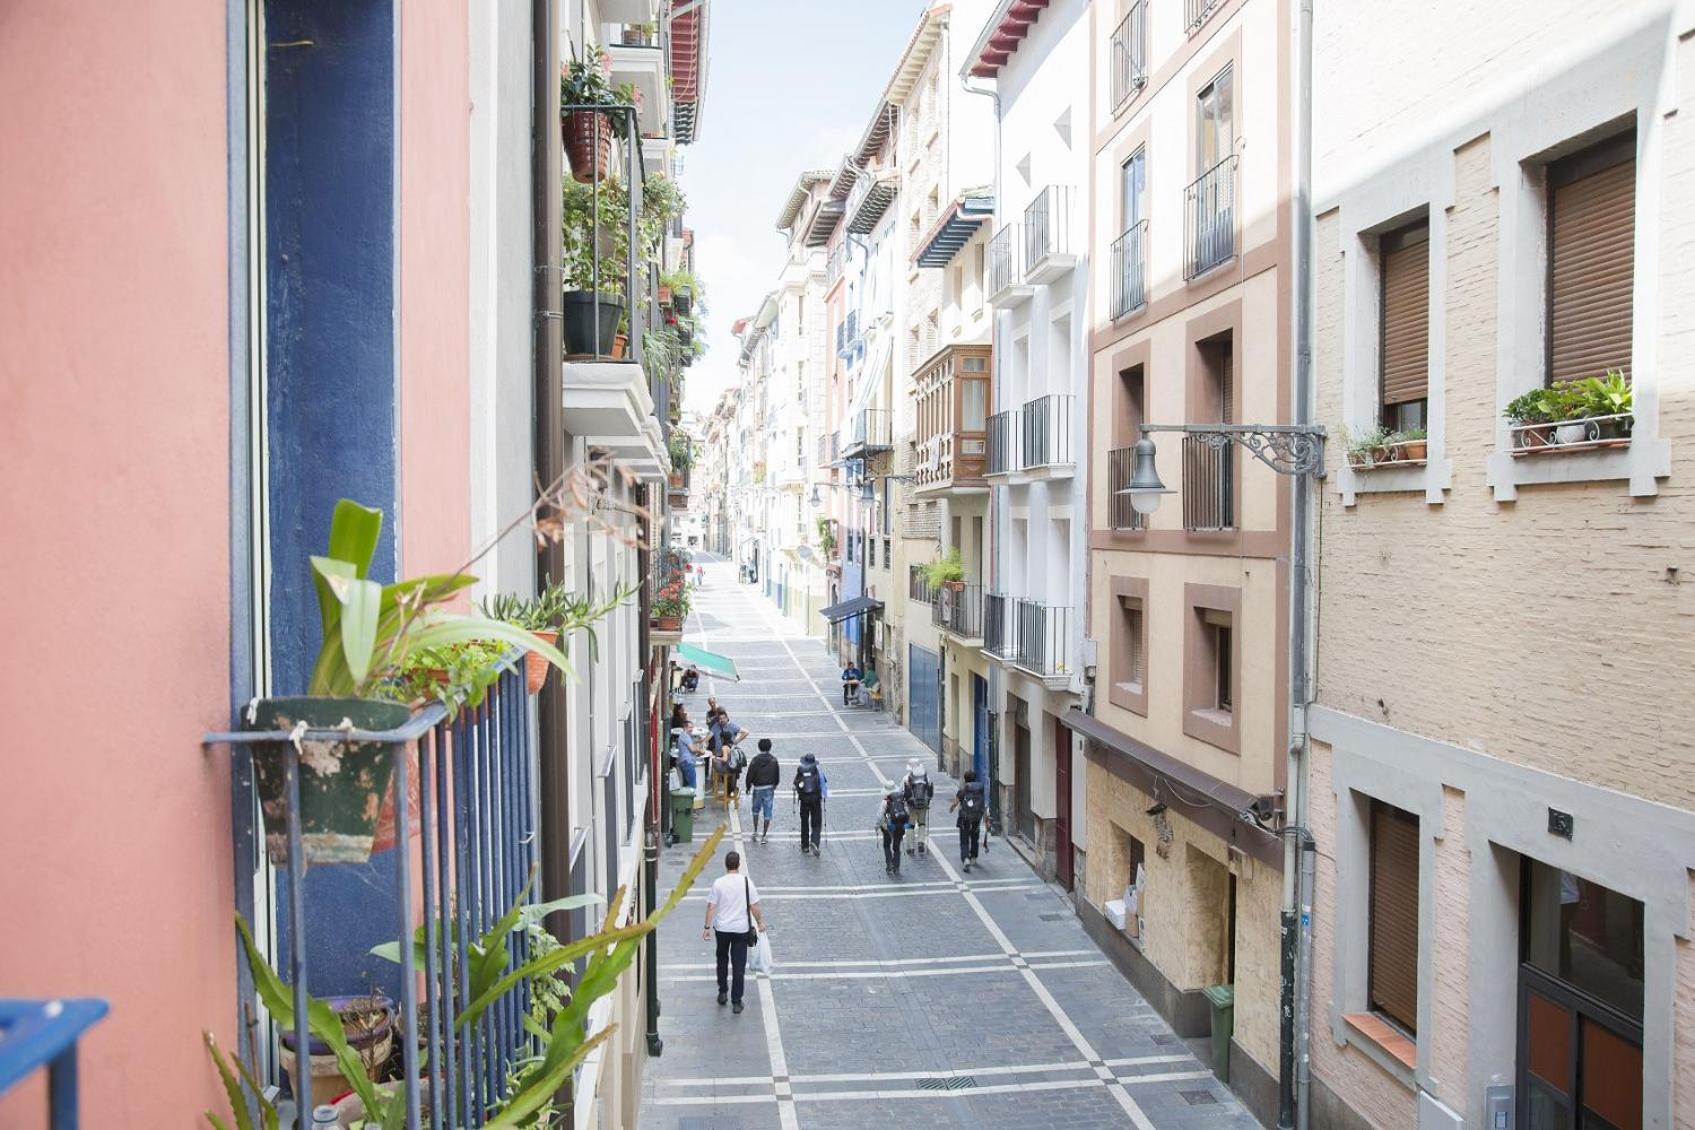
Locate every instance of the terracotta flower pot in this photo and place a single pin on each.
(677, 479)
(535, 664)
(668, 623)
(620, 344)
(1414, 448)
(372, 1044)
(588, 144)
(664, 295)
(1535, 435)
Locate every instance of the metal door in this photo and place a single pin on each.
(925, 716)
(980, 728)
(1062, 806)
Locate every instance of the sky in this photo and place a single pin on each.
(791, 85)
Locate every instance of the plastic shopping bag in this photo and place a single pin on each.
(759, 956)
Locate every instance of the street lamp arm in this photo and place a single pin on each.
(1288, 449)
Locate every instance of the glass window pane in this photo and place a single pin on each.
(975, 406)
(1586, 935)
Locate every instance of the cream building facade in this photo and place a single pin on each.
(1503, 727)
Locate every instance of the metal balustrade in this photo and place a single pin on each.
(872, 431)
(1120, 465)
(959, 610)
(1004, 452)
(1209, 219)
(1130, 54)
(1046, 431)
(999, 635)
(1044, 637)
(918, 585)
(1195, 13)
(1047, 227)
(1004, 267)
(1209, 484)
(1130, 270)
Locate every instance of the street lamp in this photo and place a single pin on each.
(1288, 449)
(815, 501)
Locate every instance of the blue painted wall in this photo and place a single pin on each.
(329, 198)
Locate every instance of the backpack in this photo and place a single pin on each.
(806, 782)
(971, 802)
(738, 759)
(919, 790)
(896, 812)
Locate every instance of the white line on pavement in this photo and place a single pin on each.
(899, 974)
(1113, 1085)
(892, 893)
(941, 1073)
(895, 963)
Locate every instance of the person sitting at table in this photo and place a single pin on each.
(851, 676)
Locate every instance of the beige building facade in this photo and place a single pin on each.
(1500, 778)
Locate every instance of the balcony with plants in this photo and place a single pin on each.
(412, 740)
(1567, 417)
(953, 401)
(680, 448)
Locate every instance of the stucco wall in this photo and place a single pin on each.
(114, 413)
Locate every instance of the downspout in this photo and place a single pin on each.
(1296, 925)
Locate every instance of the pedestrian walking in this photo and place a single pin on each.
(727, 760)
(971, 805)
(812, 789)
(891, 821)
(917, 790)
(732, 913)
(763, 773)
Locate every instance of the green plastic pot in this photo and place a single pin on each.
(342, 784)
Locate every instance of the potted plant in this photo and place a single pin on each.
(587, 129)
(947, 571)
(1610, 398)
(367, 1024)
(1411, 445)
(826, 537)
(1530, 414)
(596, 258)
(682, 457)
(670, 606)
(370, 632)
(1367, 448)
(637, 35)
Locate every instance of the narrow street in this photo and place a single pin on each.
(930, 999)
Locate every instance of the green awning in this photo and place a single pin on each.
(710, 662)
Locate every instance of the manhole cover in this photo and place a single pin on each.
(1198, 1098)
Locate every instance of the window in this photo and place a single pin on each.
(1215, 137)
(1212, 665)
(1132, 180)
(800, 447)
(980, 257)
(1220, 659)
(1393, 977)
(800, 381)
(1405, 304)
(1591, 259)
(1130, 624)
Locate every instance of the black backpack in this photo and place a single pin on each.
(971, 802)
(806, 782)
(919, 790)
(896, 812)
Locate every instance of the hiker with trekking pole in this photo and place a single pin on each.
(892, 818)
(811, 790)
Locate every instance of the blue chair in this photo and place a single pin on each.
(34, 1034)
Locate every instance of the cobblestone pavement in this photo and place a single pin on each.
(934, 999)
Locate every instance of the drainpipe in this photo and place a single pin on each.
(1296, 924)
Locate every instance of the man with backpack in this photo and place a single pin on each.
(762, 777)
(812, 789)
(891, 821)
(728, 759)
(971, 805)
(917, 790)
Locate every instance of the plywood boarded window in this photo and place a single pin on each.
(1394, 915)
(1591, 259)
(1405, 375)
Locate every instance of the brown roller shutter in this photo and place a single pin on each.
(1394, 914)
(1406, 315)
(1591, 260)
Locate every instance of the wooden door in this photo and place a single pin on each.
(1063, 862)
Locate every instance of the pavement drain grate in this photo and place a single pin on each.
(1199, 1098)
(953, 1083)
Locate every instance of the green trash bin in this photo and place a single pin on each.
(682, 815)
(1223, 1001)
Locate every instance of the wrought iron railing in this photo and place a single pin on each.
(462, 860)
(1047, 225)
(872, 430)
(1195, 13)
(1004, 451)
(959, 610)
(1044, 637)
(1209, 219)
(999, 633)
(1120, 465)
(833, 267)
(604, 301)
(847, 334)
(1004, 267)
(1046, 431)
(1209, 484)
(1130, 270)
(918, 585)
(1130, 54)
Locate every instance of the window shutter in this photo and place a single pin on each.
(1406, 316)
(1394, 914)
(1591, 260)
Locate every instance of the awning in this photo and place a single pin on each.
(710, 662)
(847, 609)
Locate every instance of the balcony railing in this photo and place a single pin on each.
(1004, 451)
(1130, 54)
(1046, 431)
(1130, 271)
(847, 334)
(1000, 635)
(1195, 13)
(833, 267)
(873, 431)
(1209, 219)
(1044, 637)
(595, 305)
(1120, 464)
(1209, 485)
(1005, 270)
(959, 611)
(1047, 231)
(918, 586)
(471, 852)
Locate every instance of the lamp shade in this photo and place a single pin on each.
(1145, 486)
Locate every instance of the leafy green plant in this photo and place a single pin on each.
(455, 674)
(235, 1074)
(681, 451)
(596, 226)
(587, 81)
(1533, 407)
(1609, 395)
(1411, 435)
(370, 630)
(672, 599)
(948, 568)
(826, 537)
(1363, 442)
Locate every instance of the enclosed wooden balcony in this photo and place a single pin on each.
(953, 415)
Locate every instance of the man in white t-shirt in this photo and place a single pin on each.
(728, 905)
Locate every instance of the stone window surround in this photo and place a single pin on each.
(1198, 677)
(1121, 691)
(1627, 850)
